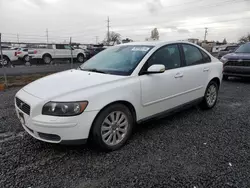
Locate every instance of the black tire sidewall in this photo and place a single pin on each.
(80, 55)
(24, 58)
(217, 90)
(8, 62)
(96, 128)
(45, 57)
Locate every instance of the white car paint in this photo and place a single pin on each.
(54, 52)
(22, 52)
(10, 54)
(149, 94)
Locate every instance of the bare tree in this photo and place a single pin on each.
(114, 37)
(155, 34)
(245, 39)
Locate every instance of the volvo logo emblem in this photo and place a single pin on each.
(21, 105)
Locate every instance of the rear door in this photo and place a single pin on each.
(196, 71)
(62, 51)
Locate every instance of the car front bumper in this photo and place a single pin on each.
(53, 129)
(237, 71)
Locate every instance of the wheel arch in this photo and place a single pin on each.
(216, 80)
(46, 54)
(80, 54)
(125, 103)
(5, 56)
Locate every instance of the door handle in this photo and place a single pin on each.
(178, 75)
(205, 69)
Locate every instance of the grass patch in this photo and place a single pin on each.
(13, 81)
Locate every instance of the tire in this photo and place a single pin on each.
(6, 62)
(225, 77)
(110, 137)
(211, 96)
(47, 59)
(80, 58)
(26, 58)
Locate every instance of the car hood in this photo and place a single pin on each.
(66, 82)
(237, 56)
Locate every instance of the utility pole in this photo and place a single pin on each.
(96, 39)
(47, 35)
(2, 61)
(108, 34)
(205, 37)
(71, 52)
(18, 39)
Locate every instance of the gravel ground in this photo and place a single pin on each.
(193, 148)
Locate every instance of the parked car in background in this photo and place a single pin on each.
(9, 56)
(228, 49)
(237, 64)
(122, 85)
(95, 50)
(56, 51)
(22, 54)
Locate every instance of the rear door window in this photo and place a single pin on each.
(192, 55)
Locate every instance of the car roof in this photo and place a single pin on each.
(157, 43)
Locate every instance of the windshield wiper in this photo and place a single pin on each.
(93, 70)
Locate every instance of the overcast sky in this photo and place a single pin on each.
(86, 19)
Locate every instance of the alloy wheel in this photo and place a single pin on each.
(211, 95)
(114, 128)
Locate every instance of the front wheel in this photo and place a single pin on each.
(211, 96)
(112, 127)
(5, 62)
(80, 58)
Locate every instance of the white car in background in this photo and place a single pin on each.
(22, 54)
(8, 57)
(120, 86)
(57, 51)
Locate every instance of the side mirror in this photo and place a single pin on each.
(155, 69)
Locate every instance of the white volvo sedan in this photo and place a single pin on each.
(105, 97)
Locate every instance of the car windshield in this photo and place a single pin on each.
(245, 48)
(118, 60)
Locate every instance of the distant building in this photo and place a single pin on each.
(195, 41)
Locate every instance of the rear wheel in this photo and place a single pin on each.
(113, 127)
(211, 96)
(47, 59)
(26, 58)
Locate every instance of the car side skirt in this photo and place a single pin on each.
(171, 111)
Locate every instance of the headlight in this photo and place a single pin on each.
(64, 108)
(223, 60)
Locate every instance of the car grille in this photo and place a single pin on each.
(23, 106)
(238, 63)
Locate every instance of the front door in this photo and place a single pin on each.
(160, 92)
